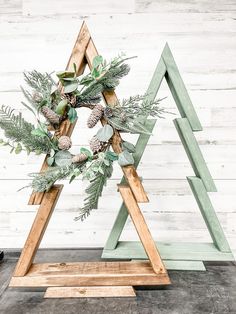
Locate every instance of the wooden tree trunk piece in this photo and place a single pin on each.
(90, 292)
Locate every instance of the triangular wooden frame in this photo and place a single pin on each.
(28, 274)
(176, 255)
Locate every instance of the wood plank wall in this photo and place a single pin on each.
(40, 35)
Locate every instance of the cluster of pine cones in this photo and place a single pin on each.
(97, 113)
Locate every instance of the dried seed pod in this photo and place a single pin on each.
(96, 145)
(95, 115)
(50, 115)
(64, 143)
(108, 112)
(79, 158)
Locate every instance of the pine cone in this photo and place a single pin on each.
(50, 115)
(79, 158)
(64, 143)
(95, 145)
(95, 115)
(37, 97)
(108, 112)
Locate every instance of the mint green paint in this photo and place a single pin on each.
(194, 153)
(176, 252)
(208, 213)
(185, 251)
(178, 90)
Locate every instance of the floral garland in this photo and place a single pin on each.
(56, 103)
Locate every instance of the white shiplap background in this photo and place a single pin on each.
(40, 35)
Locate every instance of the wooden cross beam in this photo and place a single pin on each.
(75, 279)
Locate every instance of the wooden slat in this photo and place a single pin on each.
(179, 91)
(37, 230)
(184, 265)
(142, 229)
(194, 153)
(90, 292)
(122, 215)
(208, 214)
(90, 274)
(129, 171)
(185, 251)
(66, 128)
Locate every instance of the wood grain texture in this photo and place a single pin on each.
(37, 230)
(90, 292)
(142, 229)
(90, 274)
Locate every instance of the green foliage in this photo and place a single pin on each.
(125, 159)
(41, 85)
(97, 172)
(18, 130)
(44, 181)
(72, 115)
(130, 115)
(105, 133)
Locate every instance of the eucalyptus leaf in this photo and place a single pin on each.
(125, 159)
(63, 158)
(105, 133)
(128, 146)
(72, 114)
(111, 155)
(71, 87)
(50, 161)
(86, 152)
(97, 61)
(38, 132)
(60, 109)
(65, 74)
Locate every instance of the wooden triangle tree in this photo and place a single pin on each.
(176, 255)
(89, 278)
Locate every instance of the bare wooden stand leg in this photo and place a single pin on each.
(37, 230)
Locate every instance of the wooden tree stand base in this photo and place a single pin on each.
(90, 292)
(90, 274)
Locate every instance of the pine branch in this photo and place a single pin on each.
(41, 87)
(94, 190)
(44, 181)
(91, 95)
(17, 129)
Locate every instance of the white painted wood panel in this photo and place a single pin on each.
(202, 37)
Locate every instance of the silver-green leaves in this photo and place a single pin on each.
(63, 158)
(125, 159)
(105, 133)
(128, 146)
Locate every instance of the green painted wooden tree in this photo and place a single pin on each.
(176, 255)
